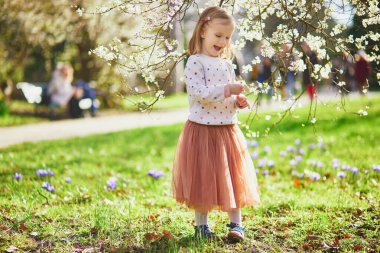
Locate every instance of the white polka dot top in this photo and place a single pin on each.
(205, 78)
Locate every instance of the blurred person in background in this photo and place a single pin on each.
(61, 93)
(362, 72)
(89, 92)
(60, 90)
(310, 59)
(289, 76)
(348, 68)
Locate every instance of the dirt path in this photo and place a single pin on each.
(82, 127)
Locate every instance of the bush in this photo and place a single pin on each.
(3, 108)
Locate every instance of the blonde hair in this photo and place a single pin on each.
(67, 72)
(195, 44)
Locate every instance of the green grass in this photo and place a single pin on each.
(23, 115)
(20, 113)
(296, 214)
(14, 120)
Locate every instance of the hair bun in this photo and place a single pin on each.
(204, 20)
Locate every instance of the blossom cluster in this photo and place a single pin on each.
(154, 48)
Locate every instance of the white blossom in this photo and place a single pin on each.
(105, 53)
(341, 83)
(256, 60)
(362, 112)
(247, 68)
(168, 45)
(297, 66)
(267, 50)
(80, 12)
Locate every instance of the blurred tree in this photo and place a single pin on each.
(35, 35)
(357, 31)
(290, 32)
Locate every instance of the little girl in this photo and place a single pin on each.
(212, 166)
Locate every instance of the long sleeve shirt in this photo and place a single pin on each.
(60, 90)
(206, 78)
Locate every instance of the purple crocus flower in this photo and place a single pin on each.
(341, 174)
(298, 158)
(282, 153)
(301, 151)
(68, 180)
(315, 176)
(265, 172)
(320, 165)
(50, 173)
(155, 174)
(262, 162)
(271, 164)
(376, 168)
(312, 146)
(267, 149)
(17, 176)
(45, 185)
(254, 155)
(335, 163)
(257, 171)
(111, 183)
(41, 173)
(346, 167)
(293, 162)
(297, 142)
(253, 144)
(290, 149)
(50, 188)
(355, 170)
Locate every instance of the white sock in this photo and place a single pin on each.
(200, 218)
(235, 216)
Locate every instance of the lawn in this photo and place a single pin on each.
(319, 187)
(14, 120)
(23, 113)
(20, 113)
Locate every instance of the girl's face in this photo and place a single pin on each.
(216, 36)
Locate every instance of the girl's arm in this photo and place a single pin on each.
(196, 83)
(232, 73)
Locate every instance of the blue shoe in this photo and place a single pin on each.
(236, 233)
(203, 232)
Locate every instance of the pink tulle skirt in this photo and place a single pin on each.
(213, 169)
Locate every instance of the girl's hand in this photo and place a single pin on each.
(233, 89)
(242, 101)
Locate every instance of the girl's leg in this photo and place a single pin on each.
(236, 232)
(200, 218)
(235, 216)
(202, 229)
